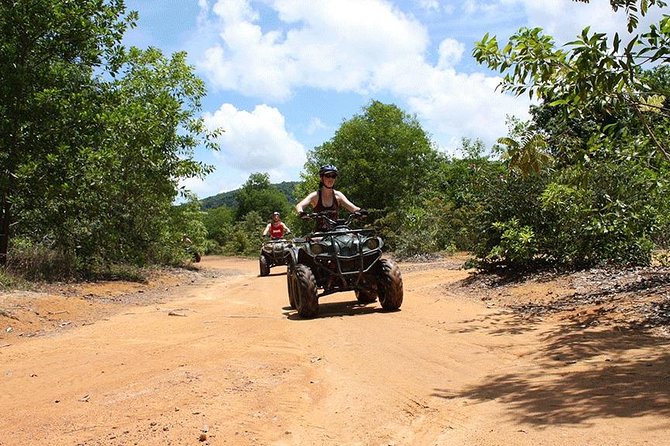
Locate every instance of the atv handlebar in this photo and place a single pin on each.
(268, 238)
(361, 214)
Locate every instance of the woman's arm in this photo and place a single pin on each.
(308, 200)
(344, 201)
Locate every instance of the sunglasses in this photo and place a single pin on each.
(330, 175)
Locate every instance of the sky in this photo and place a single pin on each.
(283, 75)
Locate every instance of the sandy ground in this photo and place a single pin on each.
(223, 360)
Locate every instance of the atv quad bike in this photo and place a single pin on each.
(341, 259)
(273, 253)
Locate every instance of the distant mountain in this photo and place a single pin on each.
(229, 198)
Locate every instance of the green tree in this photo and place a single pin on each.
(595, 74)
(604, 121)
(444, 216)
(95, 138)
(108, 193)
(258, 195)
(219, 224)
(383, 155)
(48, 55)
(245, 238)
(526, 150)
(185, 220)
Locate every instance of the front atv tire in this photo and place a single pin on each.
(263, 265)
(307, 298)
(389, 285)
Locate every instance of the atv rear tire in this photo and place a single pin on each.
(307, 299)
(389, 285)
(263, 264)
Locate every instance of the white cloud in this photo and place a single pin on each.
(362, 46)
(450, 53)
(256, 141)
(273, 48)
(431, 5)
(321, 44)
(252, 141)
(565, 19)
(235, 11)
(456, 105)
(479, 8)
(315, 125)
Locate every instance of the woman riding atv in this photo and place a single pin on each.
(326, 199)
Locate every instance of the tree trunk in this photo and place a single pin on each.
(5, 207)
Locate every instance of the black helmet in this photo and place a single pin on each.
(328, 168)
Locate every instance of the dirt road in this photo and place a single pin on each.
(226, 362)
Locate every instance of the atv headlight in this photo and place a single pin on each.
(372, 243)
(317, 249)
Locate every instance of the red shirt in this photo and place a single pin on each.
(276, 230)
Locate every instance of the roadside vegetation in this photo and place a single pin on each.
(95, 139)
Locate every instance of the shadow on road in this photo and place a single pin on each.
(338, 309)
(583, 374)
(283, 273)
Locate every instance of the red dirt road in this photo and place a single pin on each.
(225, 361)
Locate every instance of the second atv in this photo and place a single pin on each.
(274, 252)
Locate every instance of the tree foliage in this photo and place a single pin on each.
(383, 155)
(386, 161)
(94, 137)
(258, 195)
(237, 230)
(527, 150)
(594, 72)
(602, 119)
(219, 223)
(48, 55)
(229, 198)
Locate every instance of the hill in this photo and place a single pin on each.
(229, 198)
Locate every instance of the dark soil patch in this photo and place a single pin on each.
(630, 298)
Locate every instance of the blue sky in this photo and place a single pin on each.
(282, 75)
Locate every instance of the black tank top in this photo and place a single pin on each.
(333, 212)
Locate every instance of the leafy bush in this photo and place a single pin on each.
(517, 246)
(417, 229)
(603, 214)
(246, 237)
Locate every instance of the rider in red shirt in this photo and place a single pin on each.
(276, 228)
